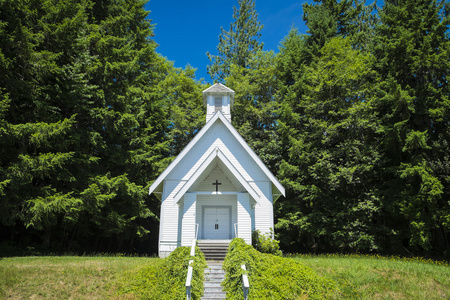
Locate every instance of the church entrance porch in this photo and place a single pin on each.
(215, 216)
(216, 222)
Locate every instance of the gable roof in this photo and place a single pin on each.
(216, 153)
(218, 117)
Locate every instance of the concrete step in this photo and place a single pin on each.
(213, 285)
(207, 257)
(214, 276)
(213, 297)
(215, 256)
(216, 266)
(206, 250)
(216, 252)
(213, 250)
(212, 247)
(215, 290)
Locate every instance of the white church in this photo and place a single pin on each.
(217, 188)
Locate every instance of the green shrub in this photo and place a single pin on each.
(265, 243)
(167, 278)
(271, 276)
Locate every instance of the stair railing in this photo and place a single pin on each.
(245, 283)
(189, 281)
(194, 242)
(190, 271)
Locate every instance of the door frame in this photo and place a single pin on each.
(229, 218)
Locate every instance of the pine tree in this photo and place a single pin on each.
(83, 133)
(237, 45)
(123, 128)
(330, 18)
(412, 58)
(184, 107)
(249, 71)
(331, 202)
(255, 105)
(40, 50)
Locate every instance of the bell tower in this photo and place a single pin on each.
(218, 98)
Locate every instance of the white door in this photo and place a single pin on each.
(217, 223)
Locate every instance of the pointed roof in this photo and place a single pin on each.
(216, 154)
(219, 117)
(218, 89)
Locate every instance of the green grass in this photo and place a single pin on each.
(356, 276)
(374, 277)
(64, 277)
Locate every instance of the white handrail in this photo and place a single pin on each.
(193, 247)
(188, 281)
(190, 270)
(245, 283)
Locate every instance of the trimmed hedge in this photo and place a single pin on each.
(271, 276)
(166, 279)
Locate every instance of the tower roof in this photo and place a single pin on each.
(218, 89)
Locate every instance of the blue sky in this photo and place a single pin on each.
(186, 30)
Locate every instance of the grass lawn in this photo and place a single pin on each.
(372, 277)
(358, 277)
(64, 277)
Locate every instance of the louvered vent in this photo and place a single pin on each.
(217, 104)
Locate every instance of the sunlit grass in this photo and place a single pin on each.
(377, 277)
(64, 277)
(358, 276)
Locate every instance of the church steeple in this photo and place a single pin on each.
(218, 98)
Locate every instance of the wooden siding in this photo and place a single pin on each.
(244, 217)
(165, 248)
(264, 208)
(263, 218)
(188, 219)
(168, 231)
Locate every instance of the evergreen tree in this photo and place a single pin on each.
(254, 112)
(183, 103)
(237, 45)
(249, 71)
(331, 201)
(412, 58)
(82, 123)
(42, 54)
(347, 18)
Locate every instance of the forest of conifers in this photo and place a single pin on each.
(352, 118)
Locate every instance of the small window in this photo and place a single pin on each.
(217, 104)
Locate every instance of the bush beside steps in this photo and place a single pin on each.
(165, 279)
(271, 276)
